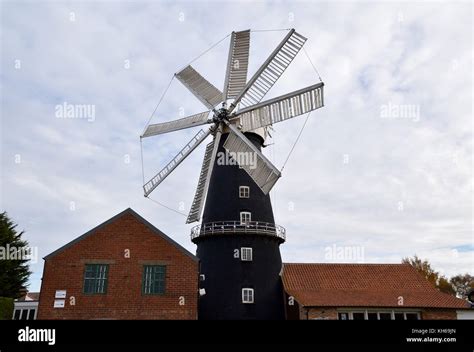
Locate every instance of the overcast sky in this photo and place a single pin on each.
(361, 175)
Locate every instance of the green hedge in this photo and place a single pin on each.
(6, 308)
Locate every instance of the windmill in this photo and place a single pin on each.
(238, 241)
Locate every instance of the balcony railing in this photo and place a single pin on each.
(231, 227)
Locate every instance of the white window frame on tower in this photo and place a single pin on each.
(246, 254)
(247, 295)
(243, 216)
(244, 192)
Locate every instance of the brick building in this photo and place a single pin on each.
(364, 292)
(124, 268)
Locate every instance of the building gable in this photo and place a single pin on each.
(112, 220)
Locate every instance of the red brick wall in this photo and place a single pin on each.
(123, 300)
(318, 313)
(435, 314)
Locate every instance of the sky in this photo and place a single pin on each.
(383, 171)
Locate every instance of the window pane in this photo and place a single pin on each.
(17, 314)
(385, 316)
(372, 316)
(154, 279)
(100, 286)
(244, 192)
(358, 316)
(24, 314)
(246, 254)
(247, 295)
(31, 315)
(411, 316)
(90, 271)
(399, 316)
(245, 217)
(95, 278)
(343, 316)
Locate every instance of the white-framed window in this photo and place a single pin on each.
(378, 315)
(247, 295)
(244, 192)
(245, 217)
(246, 254)
(24, 313)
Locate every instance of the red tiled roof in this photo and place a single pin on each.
(363, 285)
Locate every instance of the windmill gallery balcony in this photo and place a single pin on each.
(237, 227)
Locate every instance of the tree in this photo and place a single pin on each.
(445, 286)
(434, 277)
(6, 308)
(14, 269)
(462, 284)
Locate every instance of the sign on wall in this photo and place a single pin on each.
(59, 303)
(60, 294)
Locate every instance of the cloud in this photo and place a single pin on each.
(396, 186)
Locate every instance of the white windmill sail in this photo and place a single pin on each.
(264, 173)
(281, 108)
(237, 64)
(200, 87)
(175, 125)
(270, 71)
(204, 179)
(178, 159)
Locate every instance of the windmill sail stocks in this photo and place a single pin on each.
(232, 201)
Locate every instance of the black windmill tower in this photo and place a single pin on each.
(238, 240)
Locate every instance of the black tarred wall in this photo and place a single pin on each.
(225, 275)
(223, 202)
